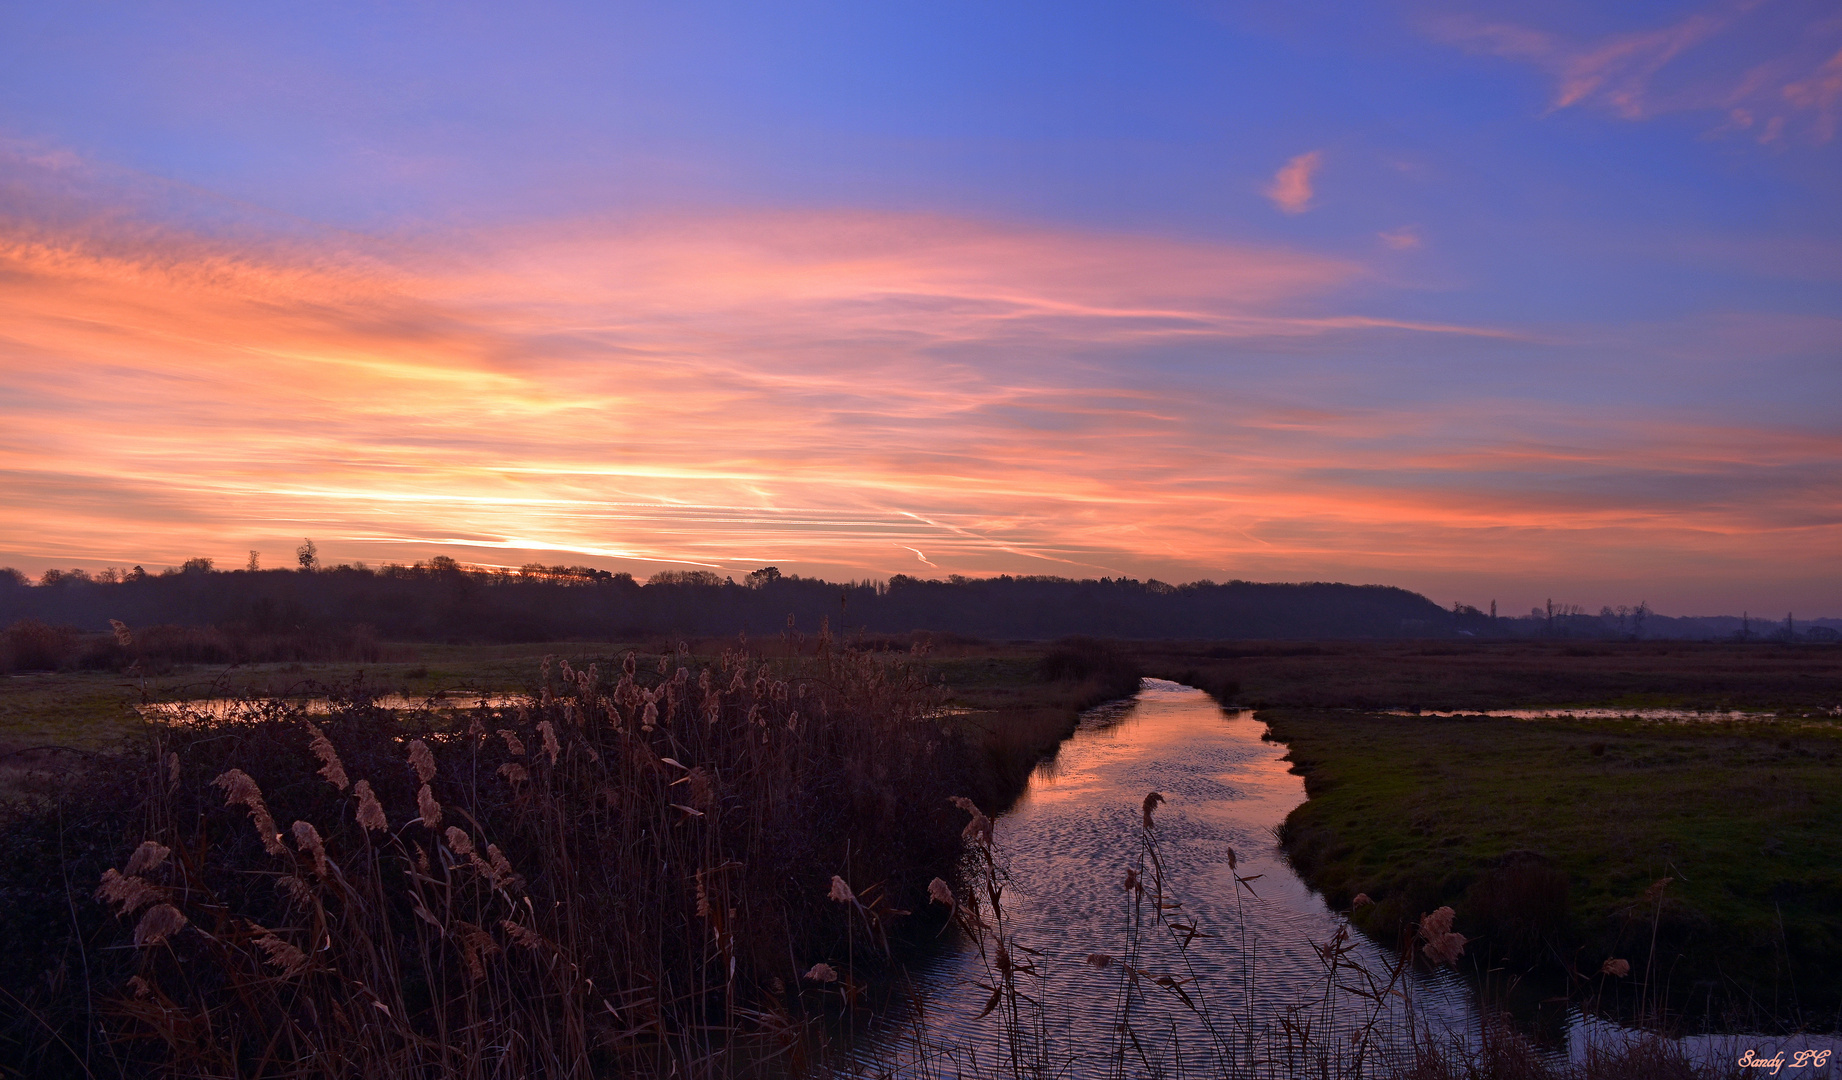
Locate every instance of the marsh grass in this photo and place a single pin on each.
(667, 868)
(624, 875)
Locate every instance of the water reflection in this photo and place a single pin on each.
(1066, 846)
(214, 709)
(1679, 716)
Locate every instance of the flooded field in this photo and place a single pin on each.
(227, 707)
(1682, 716)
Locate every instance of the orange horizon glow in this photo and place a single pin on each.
(847, 394)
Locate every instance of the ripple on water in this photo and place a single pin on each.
(1066, 846)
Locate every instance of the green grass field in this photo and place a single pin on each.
(1546, 835)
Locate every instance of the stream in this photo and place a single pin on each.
(1260, 979)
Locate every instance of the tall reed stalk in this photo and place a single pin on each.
(625, 874)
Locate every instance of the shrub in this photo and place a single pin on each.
(30, 645)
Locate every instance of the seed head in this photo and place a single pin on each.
(841, 892)
(280, 954)
(523, 935)
(1442, 945)
(370, 811)
(128, 894)
(147, 857)
(941, 893)
(822, 973)
(1151, 803)
(1361, 900)
(1446, 948)
(502, 874)
(476, 944)
(240, 790)
(514, 772)
(459, 842)
(122, 636)
(978, 830)
(161, 922)
(307, 838)
(1616, 968)
(422, 760)
(296, 889)
(428, 808)
(545, 729)
(512, 742)
(330, 766)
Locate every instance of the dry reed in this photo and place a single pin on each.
(687, 874)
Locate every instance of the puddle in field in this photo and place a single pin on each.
(207, 709)
(1688, 716)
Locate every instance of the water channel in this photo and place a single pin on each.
(1066, 846)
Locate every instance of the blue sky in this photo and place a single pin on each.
(1568, 276)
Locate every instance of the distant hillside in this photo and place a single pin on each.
(444, 601)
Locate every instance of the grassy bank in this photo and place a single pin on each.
(1017, 703)
(1449, 675)
(1549, 837)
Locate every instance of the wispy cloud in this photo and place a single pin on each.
(1291, 186)
(1762, 67)
(846, 393)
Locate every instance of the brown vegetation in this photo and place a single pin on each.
(29, 645)
(627, 874)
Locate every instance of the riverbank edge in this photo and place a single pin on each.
(1516, 905)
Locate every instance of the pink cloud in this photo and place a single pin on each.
(1819, 93)
(1291, 186)
(846, 393)
(1732, 60)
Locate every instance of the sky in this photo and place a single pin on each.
(1495, 302)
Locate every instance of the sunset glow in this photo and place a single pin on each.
(1574, 329)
